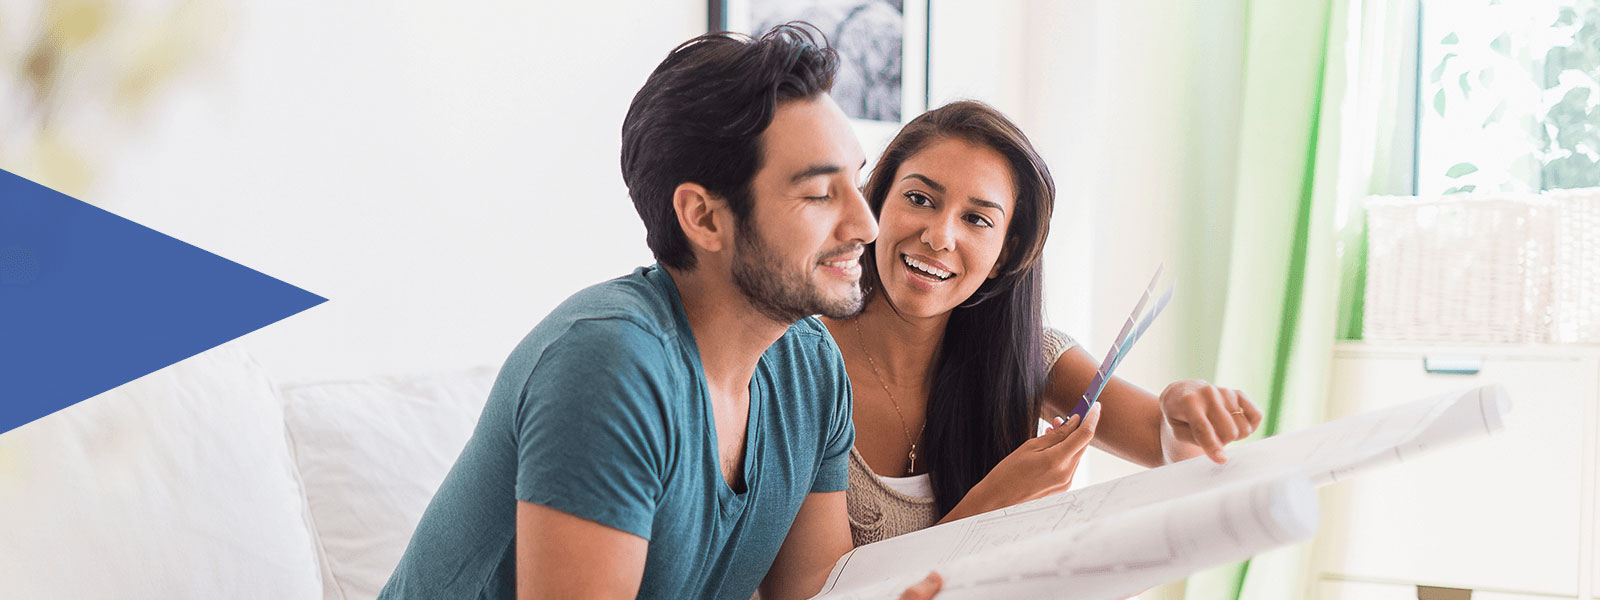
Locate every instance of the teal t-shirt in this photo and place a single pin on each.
(602, 412)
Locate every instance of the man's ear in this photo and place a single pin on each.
(703, 217)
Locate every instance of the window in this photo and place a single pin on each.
(1508, 96)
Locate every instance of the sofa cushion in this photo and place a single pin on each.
(176, 485)
(372, 453)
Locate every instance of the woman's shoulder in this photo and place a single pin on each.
(1056, 343)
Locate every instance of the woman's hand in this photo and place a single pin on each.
(1199, 414)
(1039, 467)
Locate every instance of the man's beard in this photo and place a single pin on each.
(779, 295)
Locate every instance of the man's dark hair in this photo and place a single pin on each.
(699, 119)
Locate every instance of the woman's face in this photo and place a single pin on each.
(943, 226)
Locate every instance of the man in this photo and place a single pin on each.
(681, 432)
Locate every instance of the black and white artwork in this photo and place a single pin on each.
(871, 37)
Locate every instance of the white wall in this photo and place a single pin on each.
(1159, 147)
(445, 176)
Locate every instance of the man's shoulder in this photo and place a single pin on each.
(808, 355)
(641, 299)
(810, 328)
(807, 339)
(808, 332)
(629, 319)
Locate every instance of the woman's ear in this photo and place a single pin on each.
(1000, 263)
(703, 217)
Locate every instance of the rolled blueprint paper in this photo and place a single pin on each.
(1129, 552)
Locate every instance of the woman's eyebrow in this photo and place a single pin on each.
(985, 203)
(937, 187)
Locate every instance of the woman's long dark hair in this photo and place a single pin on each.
(989, 371)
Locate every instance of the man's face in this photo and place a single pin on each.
(799, 251)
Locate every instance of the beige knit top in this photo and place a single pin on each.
(879, 512)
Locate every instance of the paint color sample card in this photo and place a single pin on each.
(1131, 330)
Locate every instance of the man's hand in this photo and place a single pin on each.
(925, 589)
(1207, 416)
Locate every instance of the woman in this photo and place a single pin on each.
(950, 363)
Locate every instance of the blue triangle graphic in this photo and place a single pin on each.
(90, 301)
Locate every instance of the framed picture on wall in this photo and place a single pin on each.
(882, 46)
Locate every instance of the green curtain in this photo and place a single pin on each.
(1283, 297)
(1325, 100)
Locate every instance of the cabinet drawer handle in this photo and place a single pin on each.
(1452, 365)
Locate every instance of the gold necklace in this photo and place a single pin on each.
(911, 456)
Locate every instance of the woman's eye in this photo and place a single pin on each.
(822, 198)
(918, 199)
(980, 220)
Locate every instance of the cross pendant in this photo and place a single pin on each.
(912, 468)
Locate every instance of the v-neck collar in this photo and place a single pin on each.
(729, 500)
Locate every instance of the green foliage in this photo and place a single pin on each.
(1576, 126)
(1562, 144)
(1494, 115)
(1438, 72)
(1555, 61)
(1572, 171)
(1568, 17)
(1570, 117)
(1537, 129)
(1461, 169)
(1582, 55)
(1502, 44)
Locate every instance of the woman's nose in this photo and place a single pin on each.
(938, 236)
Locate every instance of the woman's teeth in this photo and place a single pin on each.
(926, 268)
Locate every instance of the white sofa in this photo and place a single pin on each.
(208, 480)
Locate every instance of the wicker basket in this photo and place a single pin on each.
(1484, 268)
(1577, 275)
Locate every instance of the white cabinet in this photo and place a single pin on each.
(1333, 589)
(1362, 590)
(1509, 515)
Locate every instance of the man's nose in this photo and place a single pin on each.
(859, 224)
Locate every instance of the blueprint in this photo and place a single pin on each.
(1132, 533)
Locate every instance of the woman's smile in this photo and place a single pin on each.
(925, 273)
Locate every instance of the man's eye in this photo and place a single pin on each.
(822, 198)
